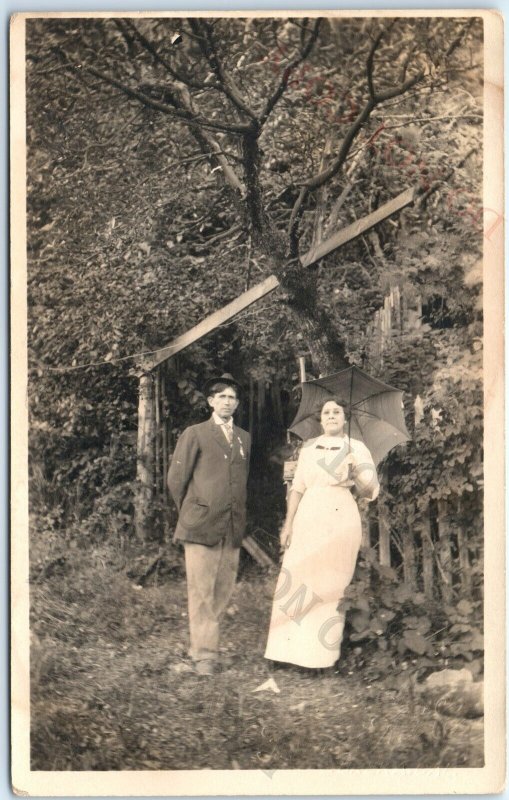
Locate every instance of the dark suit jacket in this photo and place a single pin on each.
(207, 480)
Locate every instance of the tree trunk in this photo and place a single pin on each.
(299, 282)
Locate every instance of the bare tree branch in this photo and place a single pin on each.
(283, 83)
(165, 108)
(205, 38)
(381, 97)
(321, 200)
(406, 63)
(184, 114)
(458, 40)
(374, 99)
(131, 28)
(327, 174)
(369, 64)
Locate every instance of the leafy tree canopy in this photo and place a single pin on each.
(175, 162)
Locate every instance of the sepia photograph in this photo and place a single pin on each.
(257, 321)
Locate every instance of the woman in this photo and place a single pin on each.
(321, 537)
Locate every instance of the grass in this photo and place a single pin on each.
(112, 688)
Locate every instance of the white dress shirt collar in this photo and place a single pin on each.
(217, 419)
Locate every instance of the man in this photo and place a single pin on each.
(207, 480)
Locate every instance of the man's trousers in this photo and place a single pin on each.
(211, 575)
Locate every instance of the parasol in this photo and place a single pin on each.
(373, 410)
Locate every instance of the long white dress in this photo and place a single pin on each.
(306, 627)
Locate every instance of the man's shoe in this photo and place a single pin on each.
(206, 666)
(227, 661)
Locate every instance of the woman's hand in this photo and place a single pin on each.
(343, 473)
(350, 460)
(285, 537)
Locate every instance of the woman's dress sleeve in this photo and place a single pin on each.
(364, 472)
(300, 479)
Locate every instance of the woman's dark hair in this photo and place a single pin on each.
(332, 399)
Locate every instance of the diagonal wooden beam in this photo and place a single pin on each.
(356, 228)
(212, 321)
(269, 284)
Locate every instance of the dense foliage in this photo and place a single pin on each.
(165, 178)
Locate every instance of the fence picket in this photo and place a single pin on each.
(444, 550)
(164, 436)
(409, 559)
(384, 528)
(427, 555)
(157, 443)
(464, 562)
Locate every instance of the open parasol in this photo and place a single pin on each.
(373, 410)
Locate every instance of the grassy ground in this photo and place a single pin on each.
(112, 688)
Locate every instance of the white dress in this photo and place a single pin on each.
(306, 627)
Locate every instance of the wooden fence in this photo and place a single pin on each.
(429, 551)
(432, 551)
(432, 554)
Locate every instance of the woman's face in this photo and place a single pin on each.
(332, 418)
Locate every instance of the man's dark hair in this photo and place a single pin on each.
(220, 385)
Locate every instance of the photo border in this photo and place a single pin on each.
(488, 779)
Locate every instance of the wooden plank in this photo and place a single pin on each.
(211, 322)
(345, 235)
(246, 299)
(256, 552)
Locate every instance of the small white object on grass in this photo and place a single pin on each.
(268, 686)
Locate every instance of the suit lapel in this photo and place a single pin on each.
(219, 436)
(238, 445)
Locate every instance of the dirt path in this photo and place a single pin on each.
(112, 689)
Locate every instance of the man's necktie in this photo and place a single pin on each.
(229, 433)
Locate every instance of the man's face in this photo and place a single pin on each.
(224, 403)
